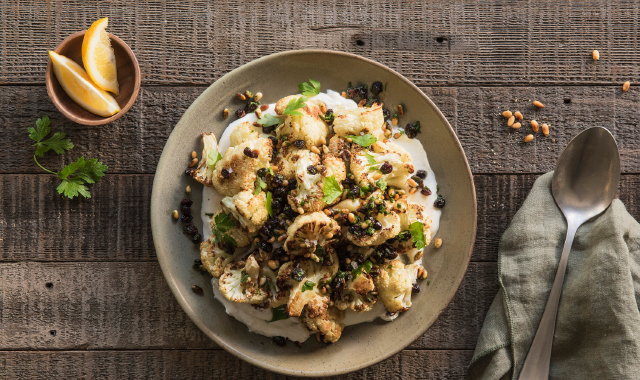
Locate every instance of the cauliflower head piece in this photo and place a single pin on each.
(311, 179)
(227, 225)
(236, 171)
(415, 213)
(394, 285)
(317, 316)
(243, 133)
(366, 163)
(208, 159)
(239, 282)
(286, 161)
(356, 294)
(359, 121)
(250, 210)
(214, 258)
(367, 237)
(310, 231)
(307, 127)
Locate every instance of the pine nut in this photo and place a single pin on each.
(188, 190)
(397, 135)
(507, 114)
(175, 214)
(394, 121)
(595, 55)
(511, 120)
(625, 86)
(418, 256)
(412, 183)
(258, 113)
(328, 235)
(438, 243)
(343, 94)
(300, 210)
(285, 182)
(352, 218)
(241, 96)
(225, 113)
(377, 176)
(538, 104)
(264, 107)
(327, 212)
(314, 150)
(271, 239)
(413, 190)
(516, 126)
(518, 115)
(258, 96)
(323, 108)
(528, 138)
(534, 126)
(545, 129)
(193, 162)
(248, 94)
(272, 264)
(400, 110)
(281, 238)
(194, 154)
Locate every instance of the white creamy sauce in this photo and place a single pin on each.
(257, 320)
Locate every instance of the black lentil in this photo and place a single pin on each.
(411, 131)
(421, 173)
(240, 113)
(266, 246)
(225, 173)
(262, 172)
(279, 340)
(415, 288)
(190, 229)
(186, 202)
(277, 180)
(386, 168)
(386, 113)
(197, 238)
(425, 191)
(376, 225)
(360, 259)
(186, 218)
(299, 144)
(439, 202)
(376, 87)
(250, 107)
(312, 169)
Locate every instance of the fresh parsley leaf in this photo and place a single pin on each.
(370, 158)
(224, 222)
(42, 129)
(389, 267)
(244, 276)
(213, 157)
(437, 189)
(417, 233)
(294, 105)
(92, 170)
(308, 285)
(72, 187)
(362, 268)
(363, 141)
(278, 313)
(269, 209)
(269, 120)
(260, 185)
(331, 189)
(229, 240)
(310, 88)
(88, 171)
(57, 142)
(382, 184)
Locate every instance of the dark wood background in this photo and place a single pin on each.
(110, 314)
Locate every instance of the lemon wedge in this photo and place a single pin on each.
(98, 57)
(77, 84)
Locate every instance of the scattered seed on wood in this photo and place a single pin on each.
(193, 162)
(175, 214)
(545, 130)
(194, 154)
(625, 86)
(596, 55)
(516, 126)
(528, 138)
(197, 289)
(534, 126)
(511, 120)
(518, 115)
(538, 104)
(507, 114)
(438, 243)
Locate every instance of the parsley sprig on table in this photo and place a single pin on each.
(74, 176)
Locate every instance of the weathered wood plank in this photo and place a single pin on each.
(434, 43)
(117, 305)
(209, 364)
(133, 144)
(65, 230)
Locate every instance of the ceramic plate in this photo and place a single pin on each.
(362, 345)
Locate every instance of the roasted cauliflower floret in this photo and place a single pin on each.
(311, 178)
(310, 231)
(243, 133)
(235, 232)
(318, 317)
(286, 160)
(239, 282)
(359, 121)
(333, 166)
(370, 236)
(204, 172)
(389, 160)
(394, 284)
(356, 294)
(337, 146)
(301, 278)
(214, 258)
(250, 210)
(415, 213)
(307, 127)
(237, 171)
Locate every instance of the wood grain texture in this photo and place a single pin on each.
(122, 305)
(434, 43)
(52, 228)
(209, 364)
(133, 144)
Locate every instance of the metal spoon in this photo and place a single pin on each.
(584, 184)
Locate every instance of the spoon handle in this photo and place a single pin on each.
(536, 364)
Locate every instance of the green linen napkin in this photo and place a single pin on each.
(597, 332)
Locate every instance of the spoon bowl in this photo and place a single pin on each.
(584, 184)
(587, 174)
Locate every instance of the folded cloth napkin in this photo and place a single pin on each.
(597, 332)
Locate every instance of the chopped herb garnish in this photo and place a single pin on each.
(382, 184)
(331, 189)
(389, 267)
(213, 157)
(269, 120)
(370, 159)
(279, 313)
(294, 105)
(364, 267)
(223, 222)
(428, 282)
(310, 88)
(297, 273)
(209, 214)
(363, 141)
(260, 185)
(269, 209)
(417, 233)
(308, 285)
(244, 277)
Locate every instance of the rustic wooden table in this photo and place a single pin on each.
(82, 295)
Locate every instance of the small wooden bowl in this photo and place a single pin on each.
(129, 78)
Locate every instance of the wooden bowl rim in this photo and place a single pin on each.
(49, 77)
